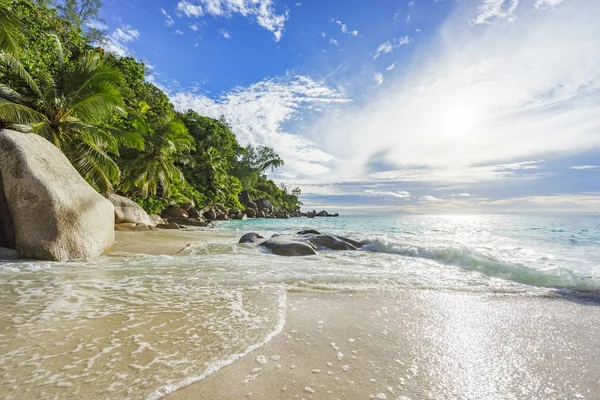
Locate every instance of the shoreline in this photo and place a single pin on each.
(161, 242)
(413, 344)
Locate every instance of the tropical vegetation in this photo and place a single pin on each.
(119, 131)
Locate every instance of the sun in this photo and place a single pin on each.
(459, 119)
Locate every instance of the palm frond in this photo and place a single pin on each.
(9, 29)
(15, 66)
(15, 113)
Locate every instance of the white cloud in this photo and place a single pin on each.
(190, 10)
(96, 25)
(585, 167)
(178, 32)
(391, 67)
(194, 27)
(116, 41)
(486, 97)
(491, 9)
(390, 45)
(344, 28)
(431, 199)
(400, 194)
(547, 4)
(261, 11)
(169, 21)
(259, 112)
(378, 78)
(225, 33)
(333, 42)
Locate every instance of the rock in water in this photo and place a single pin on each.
(304, 243)
(128, 211)
(309, 232)
(251, 237)
(56, 215)
(289, 249)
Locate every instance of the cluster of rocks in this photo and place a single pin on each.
(323, 213)
(262, 208)
(304, 243)
(129, 216)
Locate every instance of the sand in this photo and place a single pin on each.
(160, 242)
(419, 344)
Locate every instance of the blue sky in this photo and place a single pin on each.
(434, 106)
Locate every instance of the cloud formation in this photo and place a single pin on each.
(261, 11)
(389, 46)
(116, 41)
(481, 102)
(258, 114)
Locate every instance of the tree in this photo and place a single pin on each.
(68, 108)
(10, 25)
(166, 144)
(78, 12)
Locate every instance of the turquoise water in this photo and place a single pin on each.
(561, 252)
(138, 327)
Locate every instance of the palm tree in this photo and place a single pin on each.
(9, 29)
(166, 144)
(68, 108)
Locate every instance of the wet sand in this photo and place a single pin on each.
(160, 242)
(419, 344)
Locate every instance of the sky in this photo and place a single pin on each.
(381, 106)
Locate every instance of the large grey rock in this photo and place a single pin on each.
(303, 243)
(173, 211)
(331, 242)
(133, 227)
(251, 237)
(244, 197)
(250, 212)
(170, 225)
(156, 219)
(188, 205)
(210, 214)
(128, 211)
(289, 248)
(55, 214)
(264, 204)
(200, 222)
(241, 217)
(193, 213)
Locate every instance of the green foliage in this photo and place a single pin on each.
(10, 25)
(68, 107)
(166, 144)
(38, 29)
(116, 128)
(152, 205)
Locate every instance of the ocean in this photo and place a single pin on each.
(143, 326)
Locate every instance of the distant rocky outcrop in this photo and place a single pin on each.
(304, 243)
(323, 213)
(47, 210)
